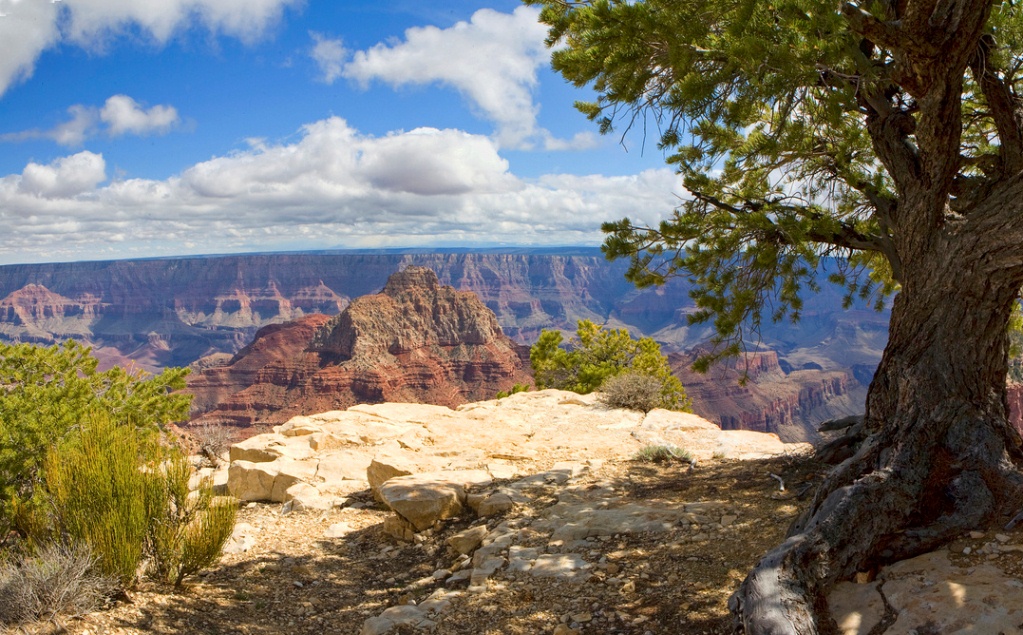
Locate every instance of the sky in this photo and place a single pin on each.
(177, 127)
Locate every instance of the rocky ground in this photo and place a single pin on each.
(586, 539)
(332, 571)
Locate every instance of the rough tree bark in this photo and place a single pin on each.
(941, 457)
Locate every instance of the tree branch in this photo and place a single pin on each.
(1004, 108)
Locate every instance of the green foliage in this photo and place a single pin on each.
(766, 110)
(189, 529)
(100, 496)
(47, 393)
(663, 454)
(517, 388)
(598, 354)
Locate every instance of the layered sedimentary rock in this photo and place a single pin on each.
(416, 341)
(175, 312)
(790, 405)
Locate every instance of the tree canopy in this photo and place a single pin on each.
(797, 127)
(597, 354)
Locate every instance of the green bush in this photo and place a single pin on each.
(47, 394)
(83, 462)
(598, 354)
(127, 497)
(663, 454)
(57, 580)
(99, 494)
(516, 389)
(631, 391)
(189, 529)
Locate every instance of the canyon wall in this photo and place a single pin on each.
(416, 341)
(204, 310)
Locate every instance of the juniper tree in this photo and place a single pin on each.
(889, 133)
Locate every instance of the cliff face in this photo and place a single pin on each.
(416, 341)
(174, 311)
(790, 405)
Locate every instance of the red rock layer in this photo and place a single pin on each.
(790, 405)
(416, 341)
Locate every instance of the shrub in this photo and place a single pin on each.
(212, 440)
(58, 580)
(516, 389)
(47, 393)
(631, 391)
(100, 496)
(663, 454)
(189, 529)
(598, 354)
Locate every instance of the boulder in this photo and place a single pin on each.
(423, 499)
(250, 481)
(290, 472)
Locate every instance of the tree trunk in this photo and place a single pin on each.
(940, 459)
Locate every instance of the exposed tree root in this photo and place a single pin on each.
(889, 502)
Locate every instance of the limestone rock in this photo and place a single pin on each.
(423, 499)
(465, 542)
(250, 481)
(929, 589)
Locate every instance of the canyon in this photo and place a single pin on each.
(202, 311)
(415, 341)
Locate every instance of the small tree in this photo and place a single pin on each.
(598, 354)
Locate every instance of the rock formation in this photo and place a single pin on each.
(415, 341)
(790, 404)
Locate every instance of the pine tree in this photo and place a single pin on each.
(889, 133)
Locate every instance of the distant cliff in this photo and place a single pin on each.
(162, 312)
(416, 341)
(790, 405)
(178, 311)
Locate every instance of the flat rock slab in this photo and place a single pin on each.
(565, 566)
(930, 594)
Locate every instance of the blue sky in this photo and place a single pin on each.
(132, 129)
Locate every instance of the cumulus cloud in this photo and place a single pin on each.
(329, 55)
(492, 60)
(64, 178)
(29, 27)
(124, 115)
(120, 115)
(333, 186)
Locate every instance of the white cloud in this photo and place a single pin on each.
(120, 115)
(333, 186)
(329, 54)
(29, 27)
(492, 60)
(124, 115)
(64, 178)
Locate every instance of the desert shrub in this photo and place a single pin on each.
(57, 580)
(663, 454)
(597, 354)
(632, 391)
(189, 529)
(47, 393)
(212, 440)
(516, 389)
(100, 495)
